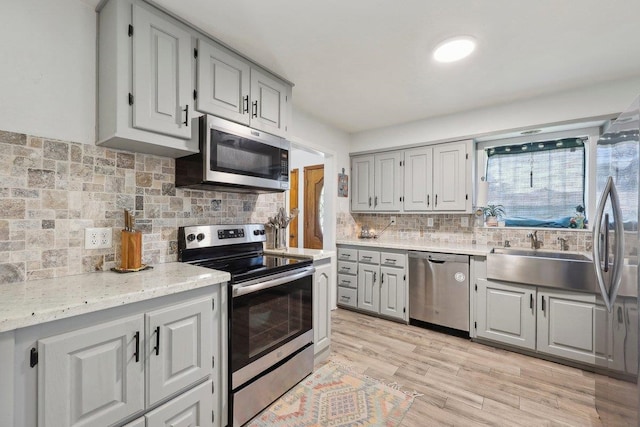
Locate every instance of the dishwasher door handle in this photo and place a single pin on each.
(437, 261)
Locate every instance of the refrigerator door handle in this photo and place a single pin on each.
(609, 296)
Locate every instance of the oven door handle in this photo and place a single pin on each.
(258, 285)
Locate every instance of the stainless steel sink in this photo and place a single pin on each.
(541, 254)
(565, 270)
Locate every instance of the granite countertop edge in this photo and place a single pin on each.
(33, 302)
(443, 247)
(314, 254)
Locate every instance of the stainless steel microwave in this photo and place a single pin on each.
(234, 157)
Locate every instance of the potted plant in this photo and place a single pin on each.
(492, 213)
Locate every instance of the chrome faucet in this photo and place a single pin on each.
(535, 243)
(564, 246)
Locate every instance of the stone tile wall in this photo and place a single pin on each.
(448, 228)
(50, 191)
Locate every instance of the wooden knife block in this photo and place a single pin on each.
(131, 250)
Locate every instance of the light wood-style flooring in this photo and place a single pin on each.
(465, 383)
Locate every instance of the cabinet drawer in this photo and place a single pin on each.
(345, 254)
(370, 257)
(391, 259)
(345, 267)
(347, 296)
(347, 281)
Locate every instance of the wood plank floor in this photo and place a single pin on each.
(465, 383)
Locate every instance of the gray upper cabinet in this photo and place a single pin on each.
(231, 87)
(418, 179)
(450, 174)
(223, 83)
(377, 182)
(145, 78)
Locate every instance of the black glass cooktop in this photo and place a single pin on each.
(251, 267)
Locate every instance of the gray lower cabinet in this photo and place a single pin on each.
(506, 313)
(150, 359)
(548, 321)
(368, 287)
(373, 281)
(322, 306)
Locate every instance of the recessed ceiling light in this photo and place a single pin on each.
(454, 49)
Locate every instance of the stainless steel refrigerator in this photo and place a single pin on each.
(615, 254)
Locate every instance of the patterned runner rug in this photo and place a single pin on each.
(336, 396)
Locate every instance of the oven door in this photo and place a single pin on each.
(270, 319)
(239, 155)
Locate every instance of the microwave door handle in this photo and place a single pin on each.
(597, 244)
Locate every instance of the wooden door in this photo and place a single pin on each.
(91, 376)
(313, 202)
(161, 75)
(293, 204)
(179, 347)
(223, 83)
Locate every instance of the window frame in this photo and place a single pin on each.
(591, 134)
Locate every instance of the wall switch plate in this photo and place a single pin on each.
(429, 222)
(464, 221)
(97, 238)
(393, 220)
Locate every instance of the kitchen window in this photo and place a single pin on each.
(541, 182)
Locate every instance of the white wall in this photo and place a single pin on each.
(48, 73)
(592, 101)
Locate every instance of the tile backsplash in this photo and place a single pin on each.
(448, 228)
(51, 190)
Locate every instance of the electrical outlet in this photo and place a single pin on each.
(464, 221)
(429, 222)
(393, 220)
(97, 238)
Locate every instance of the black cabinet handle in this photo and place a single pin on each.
(543, 303)
(375, 203)
(137, 352)
(245, 104)
(186, 115)
(428, 200)
(254, 108)
(436, 205)
(531, 301)
(157, 347)
(374, 277)
(369, 201)
(381, 278)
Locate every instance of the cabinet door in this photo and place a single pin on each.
(506, 313)
(179, 347)
(321, 310)
(392, 289)
(566, 324)
(362, 183)
(91, 376)
(223, 83)
(191, 409)
(387, 182)
(140, 422)
(418, 179)
(449, 177)
(161, 75)
(368, 288)
(268, 103)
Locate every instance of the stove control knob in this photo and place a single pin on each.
(200, 236)
(191, 237)
(256, 232)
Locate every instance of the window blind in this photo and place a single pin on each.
(539, 180)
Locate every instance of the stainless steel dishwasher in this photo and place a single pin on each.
(439, 289)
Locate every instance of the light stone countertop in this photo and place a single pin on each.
(420, 245)
(29, 303)
(314, 254)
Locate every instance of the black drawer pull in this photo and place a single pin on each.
(157, 347)
(531, 301)
(390, 260)
(136, 354)
(345, 297)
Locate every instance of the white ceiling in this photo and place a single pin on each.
(364, 64)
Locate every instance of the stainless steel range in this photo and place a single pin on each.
(270, 313)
